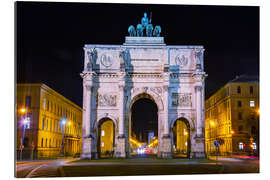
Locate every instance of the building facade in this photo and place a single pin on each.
(232, 117)
(48, 124)
(116, 76)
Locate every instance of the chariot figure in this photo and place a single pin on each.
(149, 30)
(157, 31)
(131, 30)
(145, 21)
(139, 30)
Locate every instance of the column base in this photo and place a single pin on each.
(87, 152)
(166, 150)
(121, 147)
(197, 155)
(199, 151)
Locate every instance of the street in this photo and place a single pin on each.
(40, 168)
(134, 166)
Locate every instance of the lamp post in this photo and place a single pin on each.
(62, 144)
(22, 111)
(212, 125)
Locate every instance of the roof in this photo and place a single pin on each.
(246, 78)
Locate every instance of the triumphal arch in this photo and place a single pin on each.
(116, 76)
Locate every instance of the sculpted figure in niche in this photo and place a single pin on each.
(92, 56)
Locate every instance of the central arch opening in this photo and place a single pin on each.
(144, 127)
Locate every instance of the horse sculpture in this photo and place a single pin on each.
(131, 30)
(149, 30)
(157, 31)
(139, 30)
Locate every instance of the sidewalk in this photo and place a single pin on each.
(233, 158)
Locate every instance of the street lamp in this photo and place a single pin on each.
(212, 124)
(63, 122)
(24, 122)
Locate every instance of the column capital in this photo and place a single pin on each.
(198, 88)
(90, 87)
(166, 88)
(121, 87)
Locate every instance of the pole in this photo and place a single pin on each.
(62, 145)
(21, 148)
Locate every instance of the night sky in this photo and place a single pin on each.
(51, 36)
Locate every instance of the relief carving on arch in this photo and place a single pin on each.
(107, 100)
(181, 99)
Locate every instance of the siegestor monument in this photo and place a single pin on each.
(116, 76)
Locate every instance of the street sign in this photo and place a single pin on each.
(216, 143)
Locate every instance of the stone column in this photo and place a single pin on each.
(87, 138)
(198, 90)
(165, 117)
(121, 139)
(121, 110)
(166, 138)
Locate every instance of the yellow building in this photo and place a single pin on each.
(46, 118)
(232, 117)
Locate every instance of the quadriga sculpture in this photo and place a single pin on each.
(149, 30)
(131, 30)
(139, 30)
(157, 31)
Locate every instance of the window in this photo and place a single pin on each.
(26, 142)
(239, 103)
(43, 123)
(240, 128)
(47, 124)
(28, 101)
(241, 146)
(48, 105)
(44, 103)
(46, 143)
(251, 89)
(253, 130)
(252, 103)
(102, 133)
(228, 91)
(102, 144)
(27, 123)
(239, 115)
(51, 126)
(254, 146)
(41, 142)
(239, 90)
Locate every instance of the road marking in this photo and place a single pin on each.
(32, 172)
